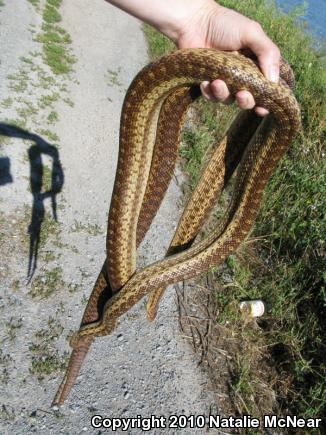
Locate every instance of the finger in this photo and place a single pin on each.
(206, 91)
(221, 92)
(245, 100)
(266, 51)
(260, 111)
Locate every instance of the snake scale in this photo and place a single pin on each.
(151, 124)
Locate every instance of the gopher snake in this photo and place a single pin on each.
(151, 123)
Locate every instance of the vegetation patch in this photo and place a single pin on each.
(35, 3)
(55, 40)
(19, 81)
(5, 363)
(53, 117)
(7, 103)
(284, 261)
(48, 283)
(113, 77)
(46, 359)
(13, 325)
(92, 229)
(53, 137)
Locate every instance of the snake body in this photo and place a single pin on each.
(150, 130)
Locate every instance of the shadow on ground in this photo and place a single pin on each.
(44, 184)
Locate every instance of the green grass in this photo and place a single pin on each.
(35, 3)
(55, 40)
(284, 261)
(51, 15)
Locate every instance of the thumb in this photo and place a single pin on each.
(266, 51)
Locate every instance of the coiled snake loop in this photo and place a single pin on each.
(151, 123)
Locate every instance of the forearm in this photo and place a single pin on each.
(206, 24)
(168, 16)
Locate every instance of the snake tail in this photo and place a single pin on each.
(93, 312)
(76, 360)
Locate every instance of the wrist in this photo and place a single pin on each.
(185, 17)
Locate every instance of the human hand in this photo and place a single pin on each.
(213, 26)
(206, 24)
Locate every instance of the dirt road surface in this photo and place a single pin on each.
(58, 162)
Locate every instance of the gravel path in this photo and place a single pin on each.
(141, 369)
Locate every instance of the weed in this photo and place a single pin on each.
(20, 123)
(52, 332)
(35, 3)
(12, 326)
(7, 103)
(45, 365)
(46, 285)
(49, 100)
(55, 40)
(57, 58)
(7, 413)
(113, 77)
(284, 261)
(53, 37)
(54, 3)
(27, 110)
(49, 256)
(15, 285)
(46, 359)
(5, 359)
(84, 300)
(53, 137)
(69, 102)
(26, 60)
(92, 229)
(19, 81)
(158, 44)
(51, 15)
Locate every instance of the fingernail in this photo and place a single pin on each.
(203, 87)
(204, 84)
(243, 100)
(274, 73)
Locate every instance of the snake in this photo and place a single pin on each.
(151, 125)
